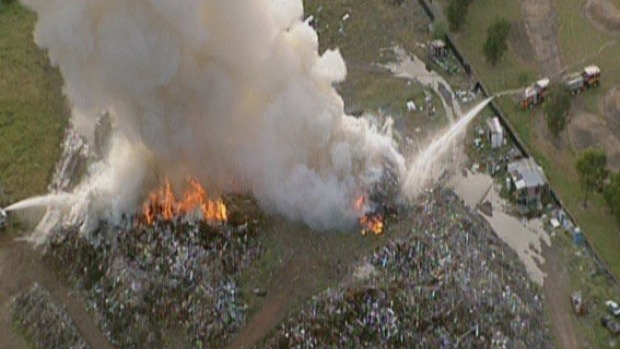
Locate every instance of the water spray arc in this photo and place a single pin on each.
(423, 168)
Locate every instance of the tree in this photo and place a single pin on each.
(612, 195)
(457, 13)
(556, 108)
(592, 168)
(495, 46)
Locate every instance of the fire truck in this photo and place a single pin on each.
(534, 94)
(576, 82)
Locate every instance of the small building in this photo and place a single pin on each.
(438, 49)
(496, 133)
(528, 185)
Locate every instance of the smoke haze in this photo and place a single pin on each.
(234, 93)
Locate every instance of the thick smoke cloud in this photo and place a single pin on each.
(234, 93)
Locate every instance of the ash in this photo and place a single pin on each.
(141, 281)
(445, 281)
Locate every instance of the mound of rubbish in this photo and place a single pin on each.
(45, 323)
(445, 281)
(142, 280)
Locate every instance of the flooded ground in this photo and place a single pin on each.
(523, 236)
(411, 67)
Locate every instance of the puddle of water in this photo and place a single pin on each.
(414, 69)
(523, 236)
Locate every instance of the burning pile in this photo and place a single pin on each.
(380, 202)
(242, 88)
(447, 281)
(195, 203)
(141, 279)
(370, 222)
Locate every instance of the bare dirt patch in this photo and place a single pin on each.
(587, 130)
(540, 24)
(612, 108)
(520, 43)
(603, 14)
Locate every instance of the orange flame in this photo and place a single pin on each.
(195, 199)
(370, 222)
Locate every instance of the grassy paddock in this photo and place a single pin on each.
(505, 75)
(33, 111)
(579, 41)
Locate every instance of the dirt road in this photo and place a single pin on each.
(540, 18)
(20, 267)
(301, 263)
(557, 299)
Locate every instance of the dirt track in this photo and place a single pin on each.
(540, 17)
(540, 25)
(20, 267)
(303, 263)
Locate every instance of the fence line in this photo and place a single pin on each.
(518, 143)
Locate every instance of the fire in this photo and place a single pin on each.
(163, 203)
(369, 222)
(359, 203)
(372, 223)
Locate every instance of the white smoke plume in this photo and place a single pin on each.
(234, 93)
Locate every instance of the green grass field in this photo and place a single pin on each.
(506, 74)
(33, 111)
(580, 43)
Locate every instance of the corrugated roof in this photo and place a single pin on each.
(494, 125)
(527, 171)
